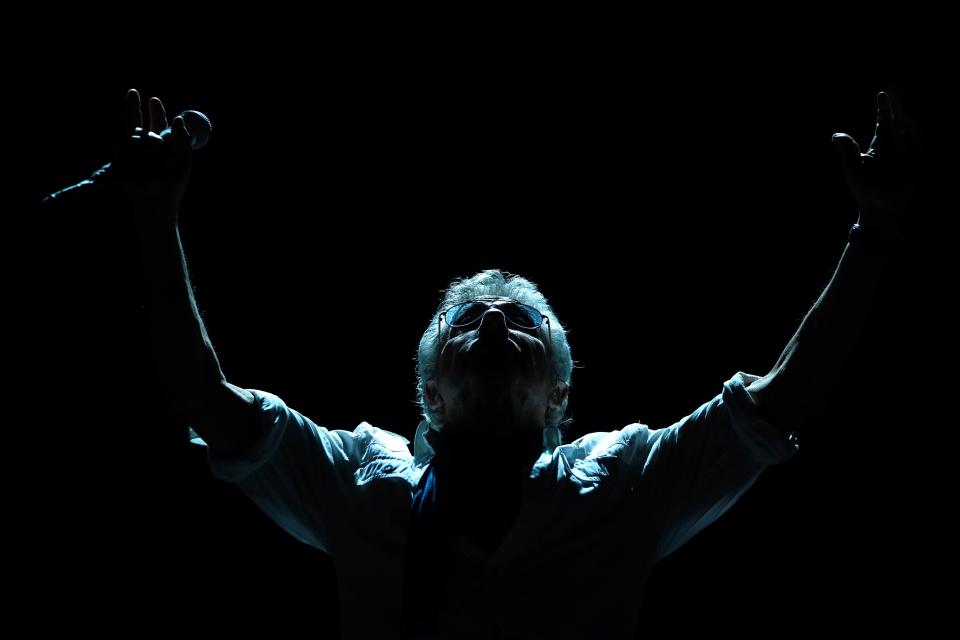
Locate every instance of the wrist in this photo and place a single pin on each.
(882, 226)
(873, 242)
(154, 220)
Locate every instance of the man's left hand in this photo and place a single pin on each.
(884, 179)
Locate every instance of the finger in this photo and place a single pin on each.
(180, 134)
(132, 116)
(885, 134)
(158, 117)
(849, 151)
(885, 112)
(909, 136)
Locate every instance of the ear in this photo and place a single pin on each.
(431, 394)
(559, 393)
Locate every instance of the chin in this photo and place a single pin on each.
(503, 398)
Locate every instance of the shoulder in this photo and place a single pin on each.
(622, 443)
(362, 443)
(379, 441)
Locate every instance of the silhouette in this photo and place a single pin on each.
(491, 509)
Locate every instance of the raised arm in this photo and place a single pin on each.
(882, 180)
(153, 171)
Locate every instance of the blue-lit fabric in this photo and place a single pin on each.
(489, 558)
(419, 593)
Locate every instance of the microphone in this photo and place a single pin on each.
(199, 127)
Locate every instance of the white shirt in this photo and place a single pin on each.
(596, 515)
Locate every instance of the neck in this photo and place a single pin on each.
(513, 445)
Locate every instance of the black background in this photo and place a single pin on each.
(681, 209)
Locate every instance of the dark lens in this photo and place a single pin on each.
(463, 314)
(522, 315)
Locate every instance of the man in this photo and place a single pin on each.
(491, 515)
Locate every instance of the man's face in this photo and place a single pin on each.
(492, 373)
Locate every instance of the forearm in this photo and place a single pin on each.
(186, 362)
(800, 383)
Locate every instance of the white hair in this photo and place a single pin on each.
(494, 282)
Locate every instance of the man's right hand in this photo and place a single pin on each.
(152, 165)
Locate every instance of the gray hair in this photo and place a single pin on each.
(493, 282)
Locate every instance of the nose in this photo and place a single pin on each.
(493, 324)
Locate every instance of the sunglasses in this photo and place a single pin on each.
(521, 316)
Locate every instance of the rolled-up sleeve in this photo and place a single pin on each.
(693, 471)
(298, 473)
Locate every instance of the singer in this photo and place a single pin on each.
(491, 511)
